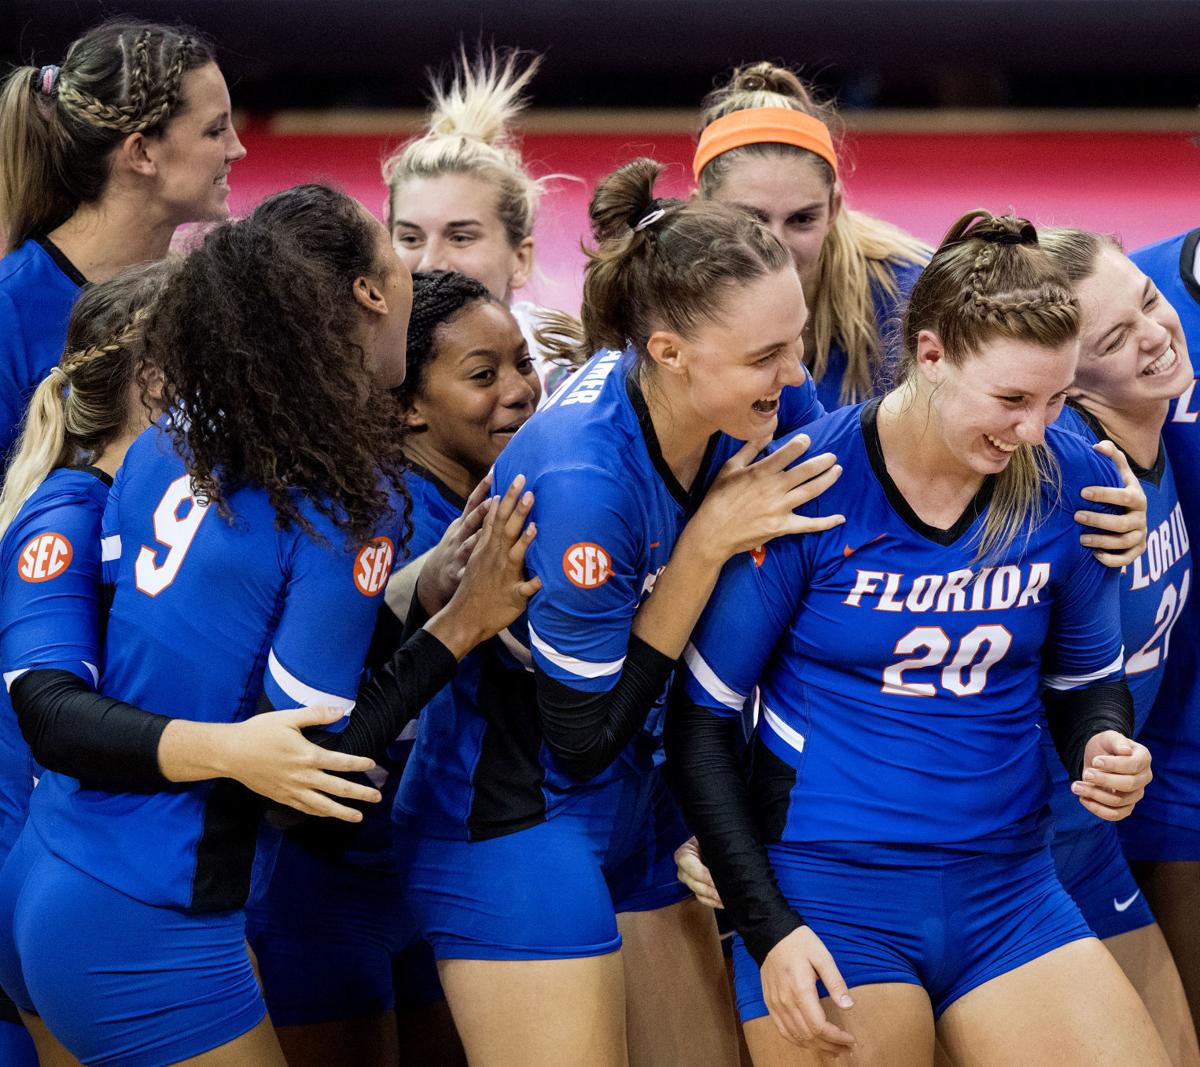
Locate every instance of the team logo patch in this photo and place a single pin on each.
(373, 565)
(45, 557)
(586, 565)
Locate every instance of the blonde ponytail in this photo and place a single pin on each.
(84, 403)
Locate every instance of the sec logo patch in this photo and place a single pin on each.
(373, 565)
(586, 565)
(45, 557)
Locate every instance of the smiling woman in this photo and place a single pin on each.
(101, 159)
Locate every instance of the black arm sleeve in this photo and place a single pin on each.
(1077, 715)
(702, 765)
(392, 698)
(587, 731)
(74, 730)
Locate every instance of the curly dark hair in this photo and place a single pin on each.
(254, 337)
(438, 296)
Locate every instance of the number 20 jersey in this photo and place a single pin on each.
(212, 620)
(900, 677)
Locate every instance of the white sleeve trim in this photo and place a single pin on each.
(12, 676)
(1074, 681)
(110, 548)
(581, 668)
(708, 678)
(305, 696)
(791, 737)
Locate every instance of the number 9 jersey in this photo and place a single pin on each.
(213, 619)
(900, 677)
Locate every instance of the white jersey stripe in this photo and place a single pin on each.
(12, 676)
(305, 696)
(110, 548)
(1074, 681)
(782, 730)
(712, 684)
(581, 668)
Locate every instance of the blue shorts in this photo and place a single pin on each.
(945, 920)
(552, 891)
(117, 981)
(328, 936)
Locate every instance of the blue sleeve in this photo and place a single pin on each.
(110, 532)
(750, 609)
(1085, 636)
(50, 613)
(590, 555)
(14, 373)
(798, 406)
(330, 605)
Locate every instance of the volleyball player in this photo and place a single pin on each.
(1133, 362)
(767, 145)
(154, 967)
(889, 842)
(332, 930)
(534, 828)
(101, 159)
(461, 198)
(1163, 840)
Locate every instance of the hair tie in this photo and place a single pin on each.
(48, 79)
(1027, 235)
(655, 210)
(763, 125)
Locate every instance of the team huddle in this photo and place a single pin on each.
(790, 660)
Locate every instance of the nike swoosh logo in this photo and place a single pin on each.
(1121, 906)
(847, 552)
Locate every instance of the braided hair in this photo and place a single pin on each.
(991, 280)
(438, 297)
(83, 404)
(58, 125)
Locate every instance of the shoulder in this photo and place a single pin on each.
(1161, 250)
(1074, 421)
(1080, 465)
(832, 432)
(16, 264)
(60, 521)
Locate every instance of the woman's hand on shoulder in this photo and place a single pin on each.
(789, 981)
(1122, 536)
(493, 591)
(752, 501)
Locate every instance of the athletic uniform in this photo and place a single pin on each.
(1166, 823)
(50, 617)
(915, 860)
(38, 286)
(888, 308)
(1154, 588)
(343, 948)
(128, 906)
(508, 852)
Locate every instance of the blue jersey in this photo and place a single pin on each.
(900, 677)
(212, 620)
(38, 286)
(608, 512)
(1172, 733)
(49, 611)
(888, 307)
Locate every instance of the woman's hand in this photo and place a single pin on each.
(269, 755)
(750, 502)
(1115, 777)
(445, 562)
(1124, 536)
(493, 591)
(789, 981)
(690, 870)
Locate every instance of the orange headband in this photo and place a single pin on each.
(763, 125)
